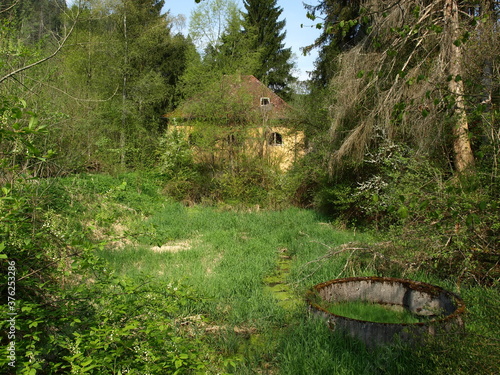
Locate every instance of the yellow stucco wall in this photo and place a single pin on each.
(255, 141)
(286, 153)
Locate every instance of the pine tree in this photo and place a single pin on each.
(34, 19)
(339, 34)
(261, 19)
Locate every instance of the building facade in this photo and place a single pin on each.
(236, 118)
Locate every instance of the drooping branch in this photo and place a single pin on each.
(394, 86)
(9, 7)
(83, 100)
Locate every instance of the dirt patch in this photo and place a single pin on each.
(121, 240)
(245, 236)
(119, 229)
(173, 247)
(212, 263)
(114, 236)
(199, 322)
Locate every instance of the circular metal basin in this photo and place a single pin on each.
(438, 308)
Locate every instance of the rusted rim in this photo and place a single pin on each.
(411, 284)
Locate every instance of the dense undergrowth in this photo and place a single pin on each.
(114, 277)
(166, 270)
(442, 223)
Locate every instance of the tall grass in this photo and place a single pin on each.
(225, 257)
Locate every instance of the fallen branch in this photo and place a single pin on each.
(332, 253)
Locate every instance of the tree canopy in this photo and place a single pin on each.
(261, 19)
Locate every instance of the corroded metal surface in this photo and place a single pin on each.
(441, 309)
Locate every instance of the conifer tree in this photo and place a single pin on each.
(261, 19)
(33, 19)
(339, 34)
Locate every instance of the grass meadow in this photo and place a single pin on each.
(245, 273)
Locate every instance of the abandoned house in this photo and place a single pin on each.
(235, 118)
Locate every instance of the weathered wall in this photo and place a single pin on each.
(280, 145)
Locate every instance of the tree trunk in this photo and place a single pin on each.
(124, 124)
(124, 97)
(463, 156)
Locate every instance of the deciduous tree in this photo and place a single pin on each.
(209, 21)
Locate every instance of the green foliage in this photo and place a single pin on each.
(388, 160)
(103, 95)
(309, 347)
(214, 148)
(72, 315)
(237, 52)
(234, 179)
(35, 19)
(175, 156)
(132, 329)
(18, 127)
(106, 326)
(209, 21)
(184, 178)
(216, 28)
(260, 19)
(249, 183)
(445, 224)
(267, 336)
(343, 27)
(224, 102)
(186, 291)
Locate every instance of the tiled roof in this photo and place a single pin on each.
(233, 84)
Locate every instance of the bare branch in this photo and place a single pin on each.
(29, 66)
(10, 7)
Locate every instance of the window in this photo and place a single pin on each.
(275, 139)
(264, 102)
(194, 139)
(231, 139)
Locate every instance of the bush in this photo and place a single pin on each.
(445, 223)
(69, 314)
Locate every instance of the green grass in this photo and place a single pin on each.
(230, 259)
(224, 255)
(372, 312)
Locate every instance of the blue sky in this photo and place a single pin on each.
(296, 37)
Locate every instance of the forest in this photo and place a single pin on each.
(148, 227)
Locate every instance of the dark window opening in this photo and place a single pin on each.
(264, 101)
(194, 139)
(231, 139)
(275, 139)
